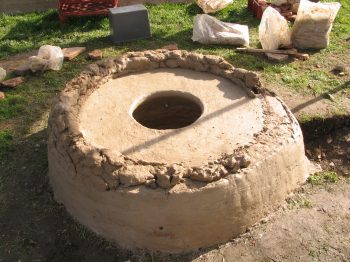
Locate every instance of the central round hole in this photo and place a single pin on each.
(168, 110)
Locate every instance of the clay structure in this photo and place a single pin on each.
(171, 150)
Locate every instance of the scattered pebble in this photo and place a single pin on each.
(339, 68)
(329, 140)
(331, 164)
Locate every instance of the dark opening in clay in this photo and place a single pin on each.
(168, 110)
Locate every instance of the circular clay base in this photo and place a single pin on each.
(171, 150)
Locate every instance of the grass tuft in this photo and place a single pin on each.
(320, 178)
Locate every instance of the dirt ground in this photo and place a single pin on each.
(311, 225)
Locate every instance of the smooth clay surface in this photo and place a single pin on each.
(229, 118)
(171, 190)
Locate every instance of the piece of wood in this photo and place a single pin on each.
(277, 57)
(255, 50)
(292, 52)
(72, 52)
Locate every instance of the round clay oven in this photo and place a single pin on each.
(171, 150)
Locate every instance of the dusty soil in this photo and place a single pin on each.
(314, 224)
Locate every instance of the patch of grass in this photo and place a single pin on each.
(320, 178)
(299, 202)
(6, 144)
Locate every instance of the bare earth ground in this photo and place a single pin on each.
(312, 225)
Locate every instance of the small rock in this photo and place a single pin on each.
(341, 74)
(277, 57)
(2, 74)
(72, 52)
(330, 97)
(339, 68)
(170, 47)
(245, 161)
(134, 175)
(264, 220)
(151, 183)
(329, 140)
(22, 70)
(331, 164)
(13, 82)
(163, 181)
(318, 66)
(95, 55)
(2, 95)
(172, 63)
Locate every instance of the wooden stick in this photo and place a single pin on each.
(255, 50)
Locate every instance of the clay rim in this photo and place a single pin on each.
(64, 117)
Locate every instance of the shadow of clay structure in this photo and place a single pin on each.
(221, 152)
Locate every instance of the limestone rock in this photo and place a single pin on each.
(140, 63)
(13, 82)
(151, 183)
(231, 164)
(2, 74)
(95, 54)
(213, 59)
(245, 161)
(208, 174)
(172, 63)
(72, 52)
(134, 175)
(163, 180)
(252, 80)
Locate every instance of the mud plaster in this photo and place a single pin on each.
(166, 197)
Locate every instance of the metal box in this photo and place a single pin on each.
(129, 23)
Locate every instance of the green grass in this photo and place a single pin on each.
(321, 178)
(6, 145)
(299, 202)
